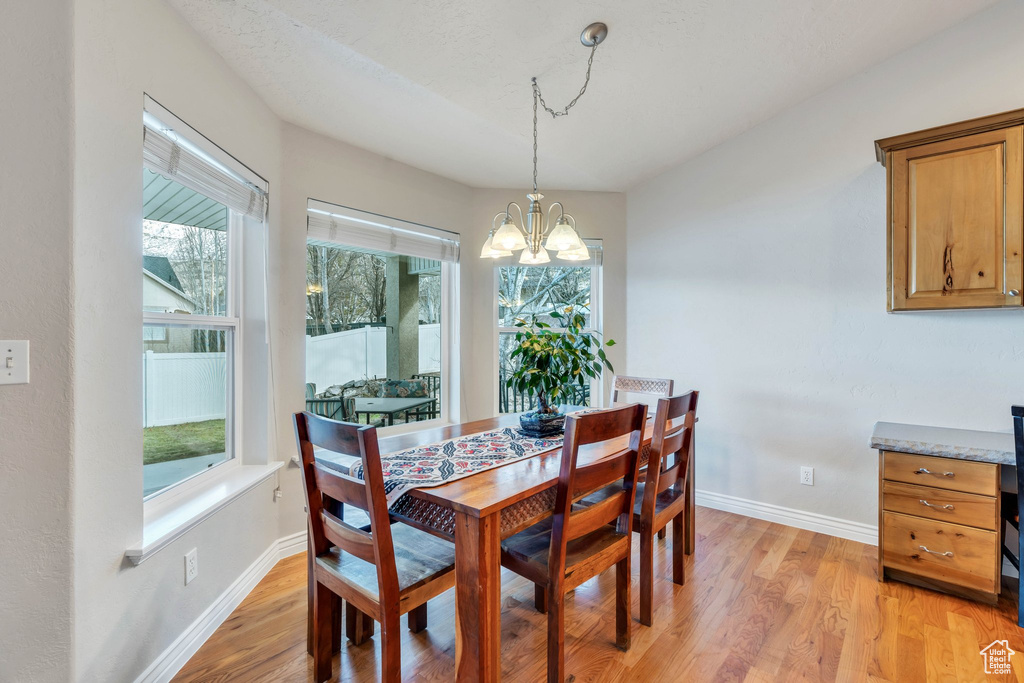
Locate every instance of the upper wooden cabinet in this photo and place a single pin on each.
(956, 215)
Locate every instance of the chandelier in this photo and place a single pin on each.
(539, 236)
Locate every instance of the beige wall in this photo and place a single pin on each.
(762, 265)
(125, 616)
(327, 170)
(86, 242)
(36, 420)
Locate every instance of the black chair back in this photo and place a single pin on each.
(1018, 440)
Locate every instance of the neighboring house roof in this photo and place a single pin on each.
(160, 267)
(159, 270)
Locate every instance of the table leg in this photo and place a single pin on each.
(691, 503)
(309, 592)
(477, 598)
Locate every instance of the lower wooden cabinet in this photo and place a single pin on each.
(944, 535)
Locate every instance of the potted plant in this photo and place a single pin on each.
(550, 362)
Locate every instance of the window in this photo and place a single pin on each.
(380, 321)
(525, 291)
(194, 212)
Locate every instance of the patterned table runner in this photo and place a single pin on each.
(445, 461)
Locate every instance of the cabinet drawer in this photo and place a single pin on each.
(943, 473)
(954, 507)
(973, 554)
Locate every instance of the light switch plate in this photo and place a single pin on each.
(13, 362)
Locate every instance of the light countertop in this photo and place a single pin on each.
(962, 444)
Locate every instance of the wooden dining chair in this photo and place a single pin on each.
(650, 386)
(645, 386)
(578, 543)
(1013, 508)
(383, 572)
(661, 494)
(661, 497)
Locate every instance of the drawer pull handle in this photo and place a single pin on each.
(948, 553)
(937, 507)
(923, 470)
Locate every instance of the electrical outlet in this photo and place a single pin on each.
(191, 565)
(807, 476)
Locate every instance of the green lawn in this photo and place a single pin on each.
(175, 442)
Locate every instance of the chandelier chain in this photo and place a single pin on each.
(538, 97)
(572, 103)
(535, 94)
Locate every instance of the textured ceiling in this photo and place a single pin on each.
(444, 85)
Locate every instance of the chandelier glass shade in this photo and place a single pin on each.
(580, 254)
(534, 235)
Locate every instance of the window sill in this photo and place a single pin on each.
(165, 523)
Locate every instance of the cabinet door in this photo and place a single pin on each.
(956, 239)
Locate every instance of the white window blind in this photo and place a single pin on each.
(174, 150)
(332, 225)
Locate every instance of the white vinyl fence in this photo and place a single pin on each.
(344, 356)
(357, 354)
(430, 348)
(183, 387)
(192, 387)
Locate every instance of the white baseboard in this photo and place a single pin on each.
(291, 545)
(188, 643)
(811, 521)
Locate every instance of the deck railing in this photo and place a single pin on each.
(511, 401)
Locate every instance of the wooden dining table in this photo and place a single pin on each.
(476, 512)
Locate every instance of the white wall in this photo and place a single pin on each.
(599, 215)
(759, 269)
(321, 168)
(35, 274)
(125, 616)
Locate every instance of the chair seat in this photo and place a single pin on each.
(664, 499)
(531, 546)
(419, 557)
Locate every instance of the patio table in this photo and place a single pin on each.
(389, 406)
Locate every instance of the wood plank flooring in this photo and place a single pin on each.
(762, 602)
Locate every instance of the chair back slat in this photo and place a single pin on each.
(604, 425)
(673, 464)
(626, 423)
(341, 488)
(347, 537)
(586, 519)
(671, 446)
(650, 386)
(326, 434)
(321, 482)
(600, 473)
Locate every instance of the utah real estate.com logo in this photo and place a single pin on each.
(997, 657)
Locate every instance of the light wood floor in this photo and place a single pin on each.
(762, 602)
